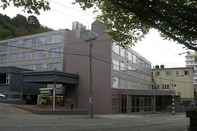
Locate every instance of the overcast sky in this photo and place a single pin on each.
(152, 47)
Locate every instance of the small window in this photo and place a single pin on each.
(186, 73)
(177, 73)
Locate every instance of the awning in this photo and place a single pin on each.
(49, 77)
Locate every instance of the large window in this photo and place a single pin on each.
(56, 52)
(115, 64)
(115, 82)
(129, 56)
(4, 78)
(3, 58)
(115, 48)
(134, 59)
(122, 52)
(122, 66)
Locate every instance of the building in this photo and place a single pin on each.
(191, 61)
(178, 79)
(121, 77)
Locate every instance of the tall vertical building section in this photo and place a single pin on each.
(191, 61)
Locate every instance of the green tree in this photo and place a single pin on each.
(31, 6)
(20, 26)
(130, 20)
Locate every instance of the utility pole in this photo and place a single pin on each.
(91, 95)
(54, 95)
(89, 37)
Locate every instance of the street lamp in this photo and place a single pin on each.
(89, 37)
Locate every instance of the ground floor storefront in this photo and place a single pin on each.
(126, 102)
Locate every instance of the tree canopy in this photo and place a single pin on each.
(31, 6)
(19, 26)
(130, 20)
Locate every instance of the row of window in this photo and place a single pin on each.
(178, 73)
(123, 66)
(37, 42)
(119, 83)
(53, 53)
(4, 78)
(164, 86)
(129, 56)
(42, 67)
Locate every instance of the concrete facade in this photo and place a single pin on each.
(178, 79)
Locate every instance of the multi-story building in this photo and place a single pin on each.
(178, 79)
(121, 77)
(191, 61)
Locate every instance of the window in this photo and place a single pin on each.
(134, 59)
(55, 66)
(4, 78)
(177, 73)
(129, 56)
(115, 82)
(3, 58)
(40, 55)
(115, 64)
(56, 52)
(115, 48)
(122, 52)
(186, 73)
(122, 66)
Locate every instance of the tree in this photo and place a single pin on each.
(31, 6)
(19, 26)
(130, 20)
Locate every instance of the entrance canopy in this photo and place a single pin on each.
(49, 77)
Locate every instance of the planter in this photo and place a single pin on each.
(193, 119)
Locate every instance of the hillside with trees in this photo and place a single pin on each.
(20, 26)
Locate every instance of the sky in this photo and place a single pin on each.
(152, 47)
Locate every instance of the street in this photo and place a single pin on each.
(12, 119)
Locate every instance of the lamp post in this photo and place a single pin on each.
(89, 37)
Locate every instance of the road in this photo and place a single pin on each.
(12, 119)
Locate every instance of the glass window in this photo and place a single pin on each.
(115, 48)
(123, 84)
(177, 73)
(186, 73)
(115, 82)
(134, 59)
(3, 58)
(56, 52)
(122, 66)
(129, 56)
(122, 52)
(115, 64)
(40, 55)
(54, 66)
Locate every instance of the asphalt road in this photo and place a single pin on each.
(12, 119)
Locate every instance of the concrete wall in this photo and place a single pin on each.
(76, 61)
(180, 82)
